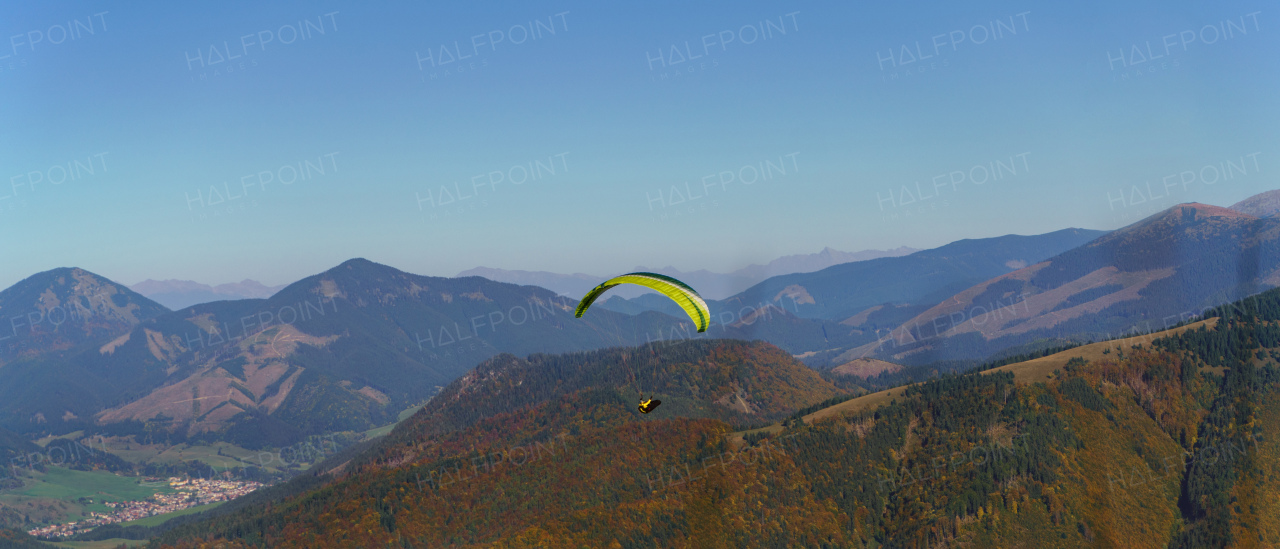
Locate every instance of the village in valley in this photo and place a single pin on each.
(191, 492)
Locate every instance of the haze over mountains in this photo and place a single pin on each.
(710, 285)
(349, 348)
(180, 294)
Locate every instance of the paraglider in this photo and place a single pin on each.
(647, 405)
(681, 293)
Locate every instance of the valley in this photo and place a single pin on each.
(367, 372)
(840, 275)
(1096, 449)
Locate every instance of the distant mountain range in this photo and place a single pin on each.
(343, 350)
(180, 294)
(1147, 276)
(710, 285)
(347, 349)
(924, 277)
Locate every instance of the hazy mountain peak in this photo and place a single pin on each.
(1211, 210)
(1260, 205)
(357, 262)
(60, 308)
(1182, 214)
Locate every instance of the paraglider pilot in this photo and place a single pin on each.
(647, 405)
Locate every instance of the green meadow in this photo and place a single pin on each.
(54, 495)
(220, 454)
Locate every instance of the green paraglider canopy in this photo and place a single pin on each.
(681, 293)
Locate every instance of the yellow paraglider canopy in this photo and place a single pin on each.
(681, 293)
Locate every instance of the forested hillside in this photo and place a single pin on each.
(1169, 445)
(732, 381)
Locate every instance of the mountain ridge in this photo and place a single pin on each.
(1158, 270)
(345, 349)
(915, 278)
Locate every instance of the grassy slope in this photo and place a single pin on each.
(163, 454)
(58, 490)
(1031, 371)
(1041, 369)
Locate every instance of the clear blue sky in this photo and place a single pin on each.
(203, 142)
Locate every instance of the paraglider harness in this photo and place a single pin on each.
(647, 405)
